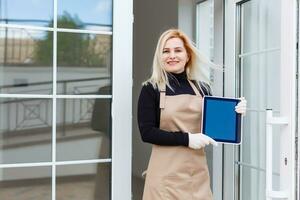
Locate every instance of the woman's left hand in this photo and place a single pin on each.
(241, 107)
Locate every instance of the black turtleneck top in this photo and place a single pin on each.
(149, 111)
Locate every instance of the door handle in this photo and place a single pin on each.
(270, 121)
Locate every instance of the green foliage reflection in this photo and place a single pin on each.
(74, 49)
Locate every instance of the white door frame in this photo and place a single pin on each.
(122, 99)
(288, 95)
(298, 122)
(287, 98)
(229, 90)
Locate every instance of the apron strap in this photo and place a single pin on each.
(195, 88)
(162, 98)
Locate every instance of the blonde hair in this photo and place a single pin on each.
(194, 67)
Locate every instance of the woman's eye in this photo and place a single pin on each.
(165, 51)
(178, 50)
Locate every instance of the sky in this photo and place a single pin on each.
(89, 11)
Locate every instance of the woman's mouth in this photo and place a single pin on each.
(172, 62)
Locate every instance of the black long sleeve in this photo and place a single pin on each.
(149, 112)
(148, 120)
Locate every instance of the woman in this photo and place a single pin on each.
(169, 117)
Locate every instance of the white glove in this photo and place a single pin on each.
(241, 107)
(199, 140)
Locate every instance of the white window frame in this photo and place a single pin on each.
(121, 100)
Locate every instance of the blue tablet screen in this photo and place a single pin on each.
(220, 121)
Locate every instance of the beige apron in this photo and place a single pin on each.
(178, 172)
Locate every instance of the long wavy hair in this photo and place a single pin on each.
(195, 67)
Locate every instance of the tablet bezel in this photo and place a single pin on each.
(238, 116)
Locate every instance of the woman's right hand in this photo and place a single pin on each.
(199, 140)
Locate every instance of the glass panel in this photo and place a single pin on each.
(30, 12)
(83, 129)
(25, 130)
(25, 183)
(261, 87)
(86, 181)
(205, 24)
(25, 61)
(261, 19)
(84, 63)
(94, 15)
(205, 32)
(253, 183)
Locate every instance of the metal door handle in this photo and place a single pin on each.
(270, 121)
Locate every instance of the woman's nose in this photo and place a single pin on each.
(172, 54)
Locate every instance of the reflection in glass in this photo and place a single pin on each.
(254, 135)
(261, 23)
(25, 183)
(37, 12)
(84, 63)
(205, 23)
(25, 61)
(94, 15)
(205, 34)
(85, 181)
(83, 129)
(260, 41)
(25, 130)
(253, 185)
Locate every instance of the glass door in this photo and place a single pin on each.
(265, 75)
(209, 40)
(65, 123)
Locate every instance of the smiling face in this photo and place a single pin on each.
(174, 56)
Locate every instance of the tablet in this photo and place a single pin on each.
(219, 119)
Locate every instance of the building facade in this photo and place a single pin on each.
(71, 73)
